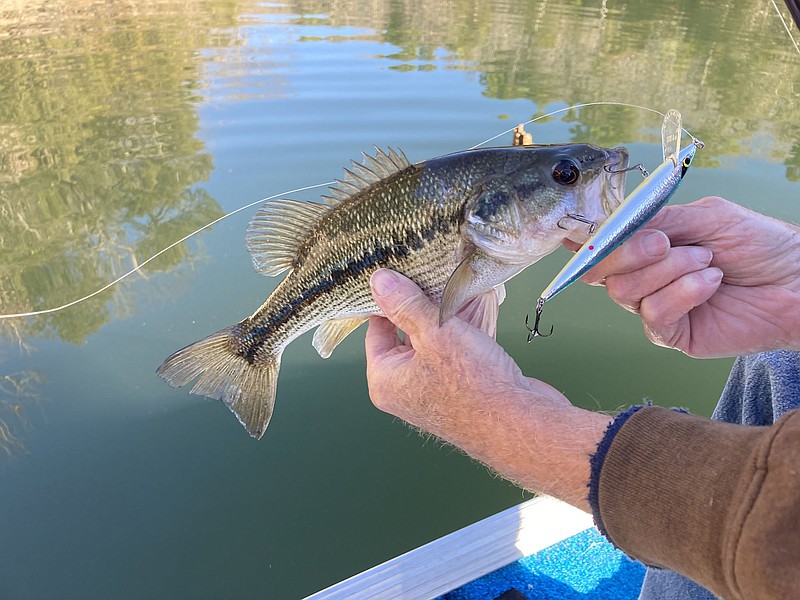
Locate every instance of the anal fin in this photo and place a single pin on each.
(331, 333)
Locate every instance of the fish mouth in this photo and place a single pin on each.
(616, 164)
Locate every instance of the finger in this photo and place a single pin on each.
(687, 224)
(628, 289)
(386, 357)
(644, 248)
(381, 337)
(670, 304)
(403, 303)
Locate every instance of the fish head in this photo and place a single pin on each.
(521, 211)
(600, 187)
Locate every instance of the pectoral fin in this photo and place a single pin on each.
(482, 311)
(459, 287)
(331, 333)
(477, 274)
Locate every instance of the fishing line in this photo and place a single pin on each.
(786, 25)
(45, 311)
(574, 106)
(159, 253)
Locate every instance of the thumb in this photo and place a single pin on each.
(403, 303)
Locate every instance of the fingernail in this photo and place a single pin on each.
(712, 275)
(700, 254)
(383, 281)
(655, 244)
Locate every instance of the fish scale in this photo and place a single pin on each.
(337, 261)
(459, 225)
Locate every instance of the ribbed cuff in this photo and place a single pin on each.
(596, 461)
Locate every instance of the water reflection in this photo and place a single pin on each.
(99, 160)
(99, 157)
(19, 393)
(685, 54)
(110, 113)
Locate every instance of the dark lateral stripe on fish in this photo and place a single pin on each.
(381, 256)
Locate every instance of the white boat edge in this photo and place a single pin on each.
(451, 561)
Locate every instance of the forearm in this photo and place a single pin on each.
(540, 444)
(713, 501)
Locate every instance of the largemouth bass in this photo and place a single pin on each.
(459, 225)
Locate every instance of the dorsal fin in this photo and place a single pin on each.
(280, 226)
(359, 176)
(277, 230)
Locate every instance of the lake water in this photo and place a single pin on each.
(127, 125)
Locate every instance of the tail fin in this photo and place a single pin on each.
(247, 389)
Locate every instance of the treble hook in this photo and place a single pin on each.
(645, 173)
(532, 333)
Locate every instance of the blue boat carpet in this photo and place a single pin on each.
(582, 567)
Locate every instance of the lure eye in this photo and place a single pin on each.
(566, 172)
(687, 161)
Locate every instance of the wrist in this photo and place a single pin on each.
(534, 438)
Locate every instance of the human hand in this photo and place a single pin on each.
(457, 362)
(710, 279)
(457, 383)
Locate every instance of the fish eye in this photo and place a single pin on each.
(687, 161)
(566, 172)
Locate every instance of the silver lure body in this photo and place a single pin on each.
(637, 209)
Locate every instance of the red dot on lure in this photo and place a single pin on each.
(591, 247)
